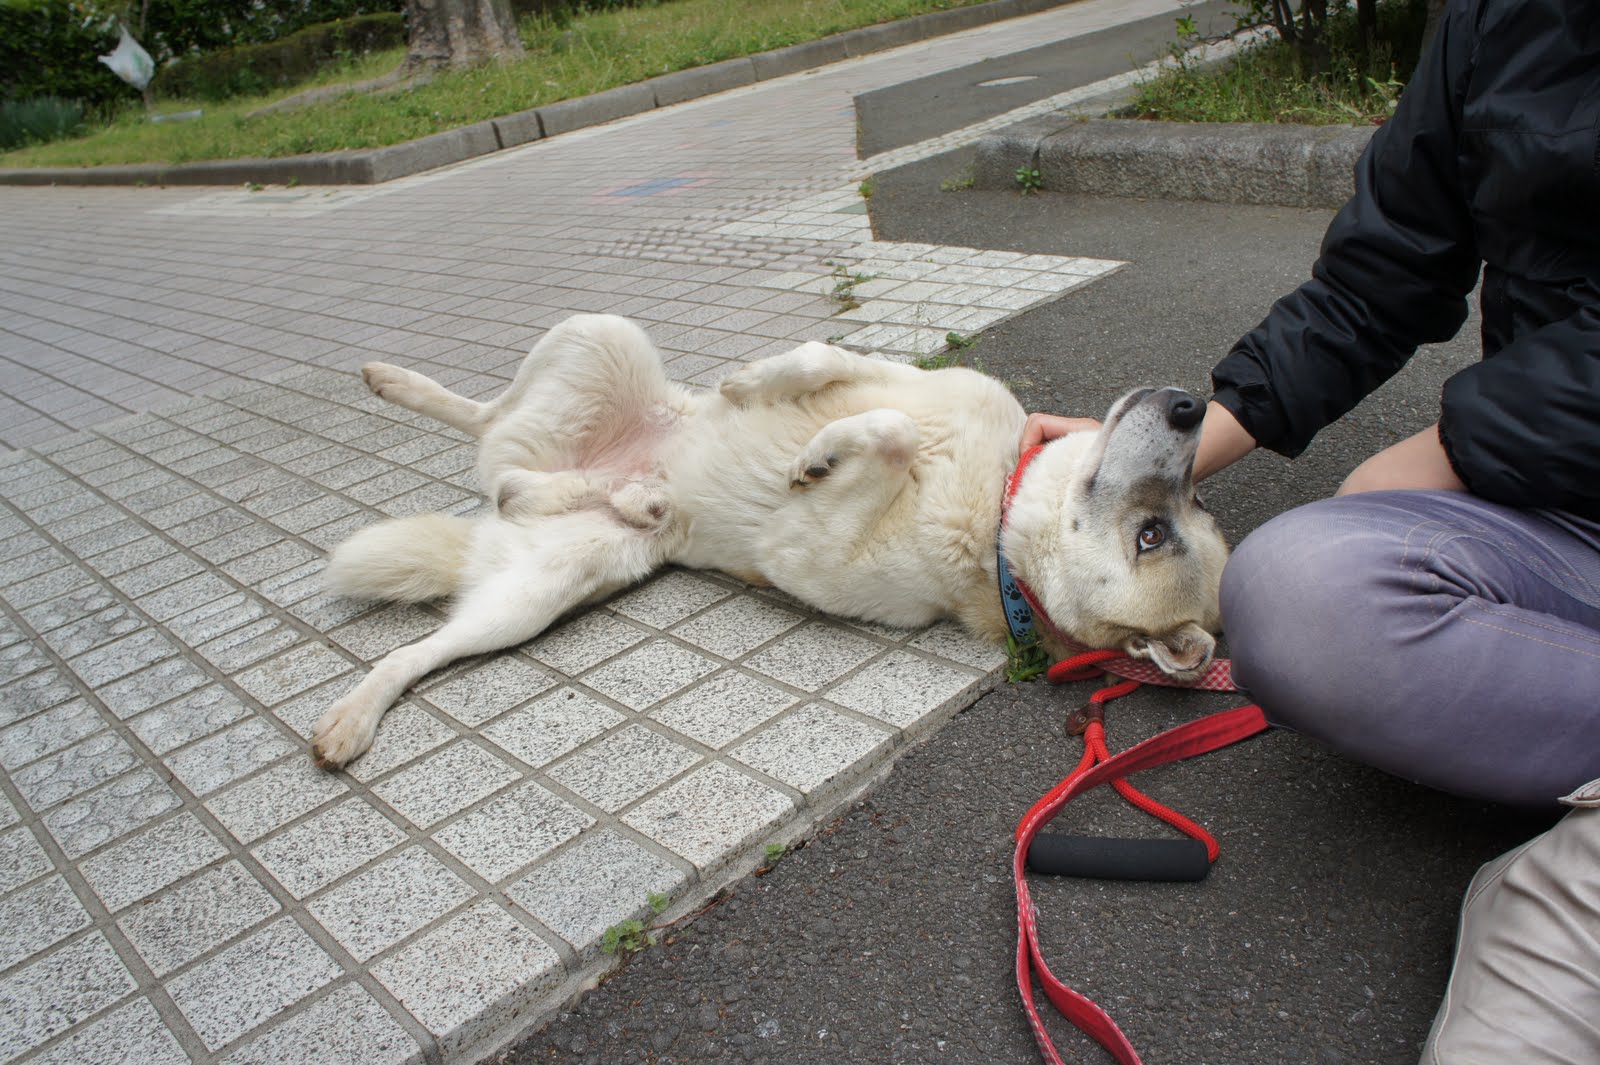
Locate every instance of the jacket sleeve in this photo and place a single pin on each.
(1522, 428)
(1395, 270)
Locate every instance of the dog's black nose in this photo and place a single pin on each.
(1184, 411)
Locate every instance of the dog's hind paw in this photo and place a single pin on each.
(341, 735)
(533, 493)
(644, 506)
(744, 385)
(388, 382)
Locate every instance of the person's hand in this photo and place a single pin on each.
(1416, 462)
(1044, 427)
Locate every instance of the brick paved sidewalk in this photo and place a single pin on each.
(177, 883)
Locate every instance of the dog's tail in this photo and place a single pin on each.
(405, 560)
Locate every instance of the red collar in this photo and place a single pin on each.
(1014, 482)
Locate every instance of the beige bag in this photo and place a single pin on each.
(1525, 989)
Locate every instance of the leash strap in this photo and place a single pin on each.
(1025, 618)
(1186, 741)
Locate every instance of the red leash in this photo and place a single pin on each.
(1098, 767)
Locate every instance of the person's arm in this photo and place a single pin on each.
(1394, 272)
(1223, 441)
(1040, 428)
(1417, 462)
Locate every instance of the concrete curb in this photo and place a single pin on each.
(377, 165)
(1297, 166)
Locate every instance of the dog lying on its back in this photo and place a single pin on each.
(862, 487)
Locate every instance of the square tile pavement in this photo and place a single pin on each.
(172, 831)
(178, 883)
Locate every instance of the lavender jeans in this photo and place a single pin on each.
(1455, 642)
(1435, 635)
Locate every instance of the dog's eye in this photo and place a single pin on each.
(1151, 536)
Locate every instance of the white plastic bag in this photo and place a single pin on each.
(130, 62)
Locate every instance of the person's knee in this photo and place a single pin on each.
(1301, 610)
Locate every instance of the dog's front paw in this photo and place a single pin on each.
(342, 734)
(742, 386)
(814, 464)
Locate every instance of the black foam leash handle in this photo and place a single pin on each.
(1119, 859)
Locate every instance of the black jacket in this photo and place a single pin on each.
(1492, 158)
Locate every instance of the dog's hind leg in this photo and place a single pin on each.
(522, 494)
(530, 575)
(809, 368)
(598, 356)
(414, 391)
(591, 395)
(585, 365)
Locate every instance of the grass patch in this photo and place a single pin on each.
(42, 119)
(567, 58)
(1267, 82)
(954, 353)
(1024, 663)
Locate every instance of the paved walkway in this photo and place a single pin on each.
(176, 882)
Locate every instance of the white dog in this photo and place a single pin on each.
(863, 487)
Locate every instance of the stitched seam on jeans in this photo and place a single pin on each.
(1432, 585)
(1534, 639)
(1467, 526)
(1535, 566)
(1534, 623)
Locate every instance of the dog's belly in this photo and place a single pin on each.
(727, 471)
(635, 450)
(723, 500)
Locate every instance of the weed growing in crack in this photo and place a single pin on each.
(954, 353)
(844, 290)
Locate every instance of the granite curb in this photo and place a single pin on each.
(377, 165)
(1245, 163)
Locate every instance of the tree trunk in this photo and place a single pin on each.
(1366, 32)
(1314, 36)
(455, 32)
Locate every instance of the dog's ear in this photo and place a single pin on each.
(1183, 653)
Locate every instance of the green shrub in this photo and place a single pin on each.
(45, 118)
(178, 28)
(259, 67)
(48, 48)
(1269, 81)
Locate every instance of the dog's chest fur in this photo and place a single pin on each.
(928, 554)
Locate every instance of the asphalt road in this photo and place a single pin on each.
(922, 108)
(1324, 933)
